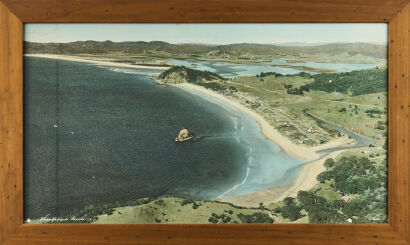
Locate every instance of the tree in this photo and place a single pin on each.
(290, 210)
(329, 163)
(323, 176)
(256, 218)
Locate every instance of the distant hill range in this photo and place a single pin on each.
(361, 51)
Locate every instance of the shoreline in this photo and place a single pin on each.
(94, 61)
(305, 180)
(303, 153)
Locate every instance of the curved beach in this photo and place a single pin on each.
(305, 180)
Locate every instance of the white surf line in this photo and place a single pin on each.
(221, 104)
(248, 170)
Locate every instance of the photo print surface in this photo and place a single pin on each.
(205, 123)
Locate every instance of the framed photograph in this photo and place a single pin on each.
(197, 123)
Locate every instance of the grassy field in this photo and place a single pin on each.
(364, 115)
(301, 117)
(359, 174)
(368, 203)
(177, 210)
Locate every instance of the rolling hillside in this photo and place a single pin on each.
(328, 52)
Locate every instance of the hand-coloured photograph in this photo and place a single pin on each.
(205, 123)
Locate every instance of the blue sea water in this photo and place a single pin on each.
(95, 135)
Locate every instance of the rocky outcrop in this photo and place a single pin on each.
(182, 74)
(184, 135)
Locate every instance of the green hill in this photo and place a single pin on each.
(182, 74)
(330, 52)
(355, 82)
(367, 81)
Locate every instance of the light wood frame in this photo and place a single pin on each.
(14, 13)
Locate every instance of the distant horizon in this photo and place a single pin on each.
(289, 44)
(210, 34)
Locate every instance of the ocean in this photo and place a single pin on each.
(95, 135)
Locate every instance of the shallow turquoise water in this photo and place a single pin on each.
(96, 135)
(227, 69)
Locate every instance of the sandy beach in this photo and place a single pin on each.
(307, 177)
(305, 181)
(303, 153)
(94, 61)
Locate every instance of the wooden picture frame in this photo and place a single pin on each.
(14, 13)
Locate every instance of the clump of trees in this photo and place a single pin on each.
(319, 210)
(359, 178)
(266, 74)
(222, 219)
(329, 163)
(255, 218)
(291, 209)
(298, 91)
(271, 73)
(195, 205)
(356, 82)
(381, 125)
(352, 175)
(371, 113)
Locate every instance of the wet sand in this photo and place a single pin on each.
(307, 177)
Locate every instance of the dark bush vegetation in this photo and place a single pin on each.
(222, 219)
(298, 91)
(192, 76)
(290, 210)
(356, 82)
(358, 178)
(266, 74)
(256, 218)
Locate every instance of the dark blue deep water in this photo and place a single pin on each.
(93, 135)
(96, 135)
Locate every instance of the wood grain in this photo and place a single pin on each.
(399, 127)
(11, 83)
(11, 123)
(209, 234)
(197, 11)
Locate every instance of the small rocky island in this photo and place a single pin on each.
(184, 135)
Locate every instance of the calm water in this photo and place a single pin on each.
(100, 134)
(227, 69)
